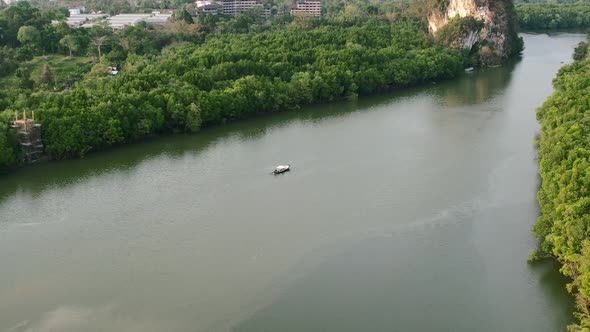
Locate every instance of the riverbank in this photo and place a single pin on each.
(235, 76)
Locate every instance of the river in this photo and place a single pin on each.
(409, 211)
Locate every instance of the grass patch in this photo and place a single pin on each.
(63, 70)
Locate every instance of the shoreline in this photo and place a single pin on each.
(47, 159)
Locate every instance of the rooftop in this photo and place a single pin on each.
(118, 21)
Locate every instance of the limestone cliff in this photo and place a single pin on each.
(496, 35)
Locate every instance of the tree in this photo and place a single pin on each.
(49, 42)
(8, 61)
(24, 78)
(28, 35)
(99, 34)
(63, 28)
(99, 41)
(24, 54)
(581, 51)
(14, 17)
(71, 42)
(563, 196)
(182, 15)
(193, 118)
(8, 147)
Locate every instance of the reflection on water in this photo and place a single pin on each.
(478, 87)
(551, 282)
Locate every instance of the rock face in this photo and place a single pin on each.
(496, 40)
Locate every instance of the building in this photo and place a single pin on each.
(312, 8)
(211, 8)
(235, 7)
(82, 19)
(158, 18)
(232, 7)
(201, 3)
(76, 10)
(118, 21)
(122, 20)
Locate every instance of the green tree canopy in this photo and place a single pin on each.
(28, 35)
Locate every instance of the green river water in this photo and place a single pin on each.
(408, 211)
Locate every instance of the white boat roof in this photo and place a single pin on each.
(282, 166)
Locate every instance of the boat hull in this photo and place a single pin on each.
(280, 171)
